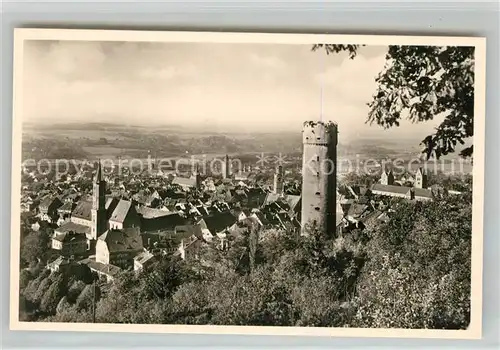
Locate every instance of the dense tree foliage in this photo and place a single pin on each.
(420, 83)
(411, 272)
(34, 247)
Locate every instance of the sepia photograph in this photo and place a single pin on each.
(240, 183)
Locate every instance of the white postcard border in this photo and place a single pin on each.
(474, 330)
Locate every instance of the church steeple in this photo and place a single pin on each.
(98, 204)
(98, 174)
(196, 175)
(226, 167)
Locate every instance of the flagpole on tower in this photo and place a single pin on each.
(321, 104)
(322, 82)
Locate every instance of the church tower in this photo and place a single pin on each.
(226, 168)
(99, 224)
(196, 175)
(278, 186)
(319, 177)
(387, 178)
(421, 178)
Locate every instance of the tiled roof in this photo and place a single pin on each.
(422, 192)
(107, 269)
(245, 211)
(110, 201)
(242, 176)
(83, 210)
(356, 210)
(372, 217)
(142, 196)
(47, 202)
(249, 221)
(121, 211)
(255, 191)
(261, 217)
(151, 213)
(218, 222)
(72, 227)
(66, 207)
(184, 181)
(390, 189)
(122, 240)
(70, 236)
(183, 231)
(359, 190)
(271, 198)
(189, 241)
(292, 200)
(164, 222)
(143, 257)
(59, 261)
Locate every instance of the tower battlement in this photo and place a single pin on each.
(319, 133)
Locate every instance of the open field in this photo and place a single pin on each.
(92, 141)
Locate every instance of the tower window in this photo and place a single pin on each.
(317, 158)
(317, 208)
(317, 193)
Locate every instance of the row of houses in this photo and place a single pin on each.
(158, 221)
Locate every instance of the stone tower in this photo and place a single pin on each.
(421, 178)
(99, 224)
(278, 186)
(319, 177)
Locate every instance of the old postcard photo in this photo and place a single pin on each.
(291, 184)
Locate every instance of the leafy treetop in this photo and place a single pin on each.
(420, 83)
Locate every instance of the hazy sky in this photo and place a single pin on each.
(217, 86)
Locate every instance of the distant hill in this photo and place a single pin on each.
(108, 139)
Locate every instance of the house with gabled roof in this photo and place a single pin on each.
(48, 208)
(187, 183)
(261, 218)
(66, 209)
(356, 211)
(81, 214)
(243, 214)
(390, 190)
(104, 270)
(143, 260)
(165, 221)
(373, 219)
(243, 176)
(411, 193)
(60, 264)
(119, 247)
(421, 194)
(124, 216)
(217, 224)
(189, 248)
(70, 242)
